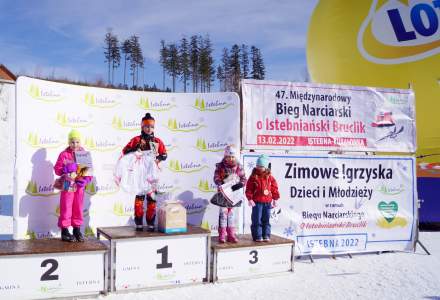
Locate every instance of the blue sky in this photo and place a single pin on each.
(65, 38)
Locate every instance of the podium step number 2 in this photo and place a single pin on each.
(50, 275)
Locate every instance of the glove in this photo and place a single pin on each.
(81, 182)
(70, 168)
(274, 203)
(237, 186)
(251, 203)
(161, 157)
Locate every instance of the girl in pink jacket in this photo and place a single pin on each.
(72, 193)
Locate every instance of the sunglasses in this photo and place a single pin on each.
(148, 126)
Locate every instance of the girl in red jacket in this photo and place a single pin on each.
(143, 142)
(262, 194)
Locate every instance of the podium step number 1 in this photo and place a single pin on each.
(145, 260)
(156, 262)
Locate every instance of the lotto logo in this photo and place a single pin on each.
(397, 31)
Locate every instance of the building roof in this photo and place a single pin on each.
(5, 74)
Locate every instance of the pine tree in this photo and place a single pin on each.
(184, 59)
(163, 60)
(258, 69)
(261, 65)
(108, 44)
(194, 61)
(221, 78)
(173, 66)
(203, 65)
(244, 61)
(136, 59)
(206, 62)
(115, 55)
(235, 67)
(226, 64)
(126, 49)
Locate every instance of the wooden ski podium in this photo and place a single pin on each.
(146, 260)
(51, 268)
(251, 259)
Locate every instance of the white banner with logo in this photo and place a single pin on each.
(310, 116)
(194, 127)
(340, 204)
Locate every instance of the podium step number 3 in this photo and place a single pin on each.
(249, 259)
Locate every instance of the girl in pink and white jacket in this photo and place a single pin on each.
(72, 194)
(229, 166)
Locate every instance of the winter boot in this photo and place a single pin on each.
(78, 235)
(232, 238)
(150, 216)
(66, 236)
(222, 235)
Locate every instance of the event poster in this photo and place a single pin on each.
(340, 204)
(307, 116)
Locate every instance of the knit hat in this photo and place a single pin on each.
(231, 151)
(74, 134)
(147, 120)
(263, 161)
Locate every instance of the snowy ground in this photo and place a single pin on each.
(384, 276)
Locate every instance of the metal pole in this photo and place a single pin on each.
(112, 265)
(208, 257)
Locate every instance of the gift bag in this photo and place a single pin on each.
(137, 172)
